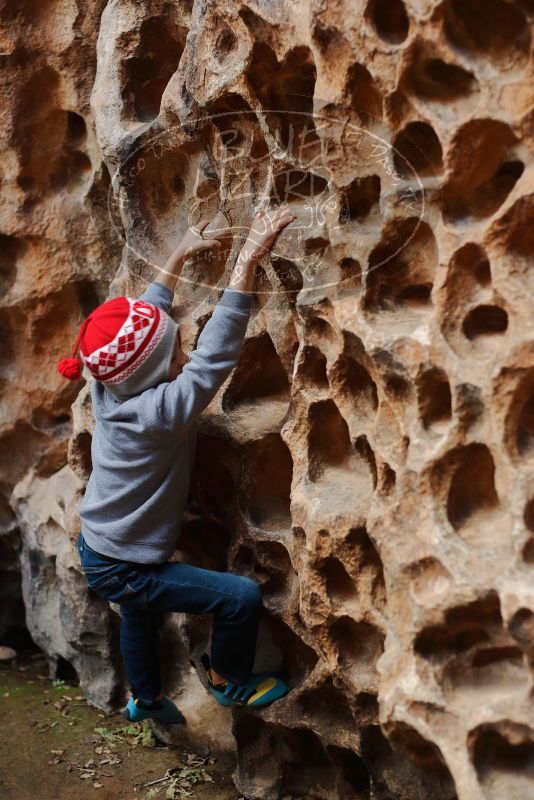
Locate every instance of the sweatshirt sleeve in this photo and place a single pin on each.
(175, 404)
(158, 295)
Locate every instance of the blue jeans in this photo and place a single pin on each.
(145, 591)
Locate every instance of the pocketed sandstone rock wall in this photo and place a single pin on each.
(370, 460)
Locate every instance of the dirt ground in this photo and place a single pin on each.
(54, 745)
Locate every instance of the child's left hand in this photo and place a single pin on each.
(193, 243)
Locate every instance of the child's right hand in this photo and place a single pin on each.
(264, 231)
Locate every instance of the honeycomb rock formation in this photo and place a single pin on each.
(370, 461)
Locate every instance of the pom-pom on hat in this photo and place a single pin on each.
(117, 339)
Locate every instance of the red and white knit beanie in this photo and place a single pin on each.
(125, 343)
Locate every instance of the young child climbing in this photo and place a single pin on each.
(147, 396)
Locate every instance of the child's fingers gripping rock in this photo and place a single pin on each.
(265, 228)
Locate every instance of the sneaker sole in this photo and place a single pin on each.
(126, 715)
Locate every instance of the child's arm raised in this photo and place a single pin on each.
(191, 244)
(157, 292)
(176, 404)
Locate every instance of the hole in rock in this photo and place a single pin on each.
(363, 94)
(231, 138)
(204, 543)
(149, 70)
(503, 756)
(395, 773)
(29, 445)
(525, 428)
(226, 42)
(269, 564)
(435, 79)
(235, 120)
(472, 487)
(483, 170)
(340, 470)
(528, 551)
(48, 154)
(76, 127)
(416, 295)
(268, 471)
(212, 482)
(294, 185)
(300, 538)
(473, 652)
(397, 387)
(363, 448)
(246, 563)
(359, 646)
(339, 585)
(312, 368)
(494, 28)
(522, 629)
(87, 295)
(466, 476)
(326, 705)
(469, 268)
(287, 87)
(496, 655)
(485, 321)
(528, 516)
(70, 167)
(43, 419)
(298, 658)
(390, 19)
(258, 377)
(352, 772)
(80, 453)
(470, 407)
(417, 151)
(483, 272)
(276, 558)
(320, 329)
(359, 198)
(429, 580)
(290, 762)
(434, 395)
(350, 268)
(289, 275)
(16, 636)
(465, 627)
(328, 40)
(401, 267)
(425, 755)
(355, 384)
(527, 6)
(316, 245)
(514, 230)
(328, 439)
(366, 708)
(468, 274)
(361, 559)
(11, 250)
(64, 671)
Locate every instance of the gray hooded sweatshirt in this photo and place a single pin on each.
(143, 447)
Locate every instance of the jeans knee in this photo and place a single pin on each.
(250, 596)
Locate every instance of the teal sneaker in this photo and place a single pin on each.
(261, 689)
(163, 711)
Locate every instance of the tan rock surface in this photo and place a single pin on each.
(370, 461)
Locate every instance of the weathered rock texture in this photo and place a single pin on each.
(371, 459)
